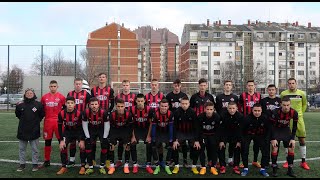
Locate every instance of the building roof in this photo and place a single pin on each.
(157, 36)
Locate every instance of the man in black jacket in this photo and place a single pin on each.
(30, 113)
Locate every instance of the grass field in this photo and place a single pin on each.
(9, 156)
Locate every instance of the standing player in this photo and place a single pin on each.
(256, 127)
(128, 98)
(162, 132)
(175, 96)
(70, 129)
(183, 131)
(298, 103)
(53, 103)
(121, 130)
(221, 105)
(142, 117)
(280, 119)
(231, 133)
(95, 124)
(105, 95)
(81, 98)
(154, 97)
(246, 102)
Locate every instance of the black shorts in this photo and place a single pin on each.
(162, 137)
(72, 136)
(282, 134)
(121, 135)
(141, 134)
(185, 136)
(95, 133)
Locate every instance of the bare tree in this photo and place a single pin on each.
(14, 82)
(228, 71)
(260, 74)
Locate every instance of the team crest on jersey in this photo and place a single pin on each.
(34, 109)
(276, 103)
(120, 123)
(81, 97)
(257, 99)
(231, 99)
(163, 124)
(57, 99)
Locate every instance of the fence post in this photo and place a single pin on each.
(75, 61)
(307, 72)
(8, 73)
(41, 89)
(241, 81)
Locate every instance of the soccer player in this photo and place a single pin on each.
(175, 96)
(53, 103)
(208, 132)
(122, 131)
(105, 95)
(281, 119)
(221, 105)
(246, 102)
(154, 97)
(128, 98)
(298, 103)
(231, 133)
(70, 129)
(142, 117)
(82, 98)
(183, 131)
(256, 127)
(162, 132)
(95, 124)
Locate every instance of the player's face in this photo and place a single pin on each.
(126, 87)
(232, 109)
(120, 108)
(185, 104)
(209, 111)
(272, 91)
(53, 87)
(177, 87)
(29, 94)
(203, 87)
(292, 85)
(154, 86)
(227, 86)
(140, 103)
(285, 105)
(94, 106)
(164, 108)
(70, 105)
(257, 111)
(78, 85)
(102, 79)
(250, 86)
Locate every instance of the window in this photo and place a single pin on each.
(313, 82)
(271, 63)
(271, 44)
(312, 64)
(118, 33)
(272, 35)
(280, 54)
(216, 53)
(300, 45)
(204, 62)
(312, 54)
(300, 63)
(216, 44)
(313, 35)
(300, 81)
(271, 53)
(238, 53)
(204, 72)
(230, 44)
(204, 53)
(261, 44)
(216, 81)
(216, 72)
(271, 72)
(216, 63)
(216, 35)
(300, 72)
(300, 54)
(261, 53)
(229, 54)
(229, 35)
(258, 64)
(301, 36)
(204, 34)
(312, 72)
(260, 35)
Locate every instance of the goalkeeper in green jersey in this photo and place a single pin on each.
(299, 103)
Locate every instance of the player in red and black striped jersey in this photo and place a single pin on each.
(175, 96)
(95, 124)
(246, 102)
(142, 117)
(81, 103)
(154, 97)
(280, 119)
(162, 132)
(128, 98)
(70, 129)
(183, 132)
(198, 100)
(105, 95)
(121, 129)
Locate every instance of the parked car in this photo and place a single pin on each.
(16, 98)
(4, 98)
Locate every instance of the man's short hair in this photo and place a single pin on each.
(177, 81)
(77, 79)
(184, 98)
(226, 81)
(164, 101)
(154, 80)
(102, 73)
(256, 105)
(70, 98)
(119, 101)
(285, 98)
(272, 85)
(140, 95)
(232, 103)
(202, 80)
(250, 81)
(209, 103)
(290, 79)
(125, 81)
(93, 99)
(53, 82)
